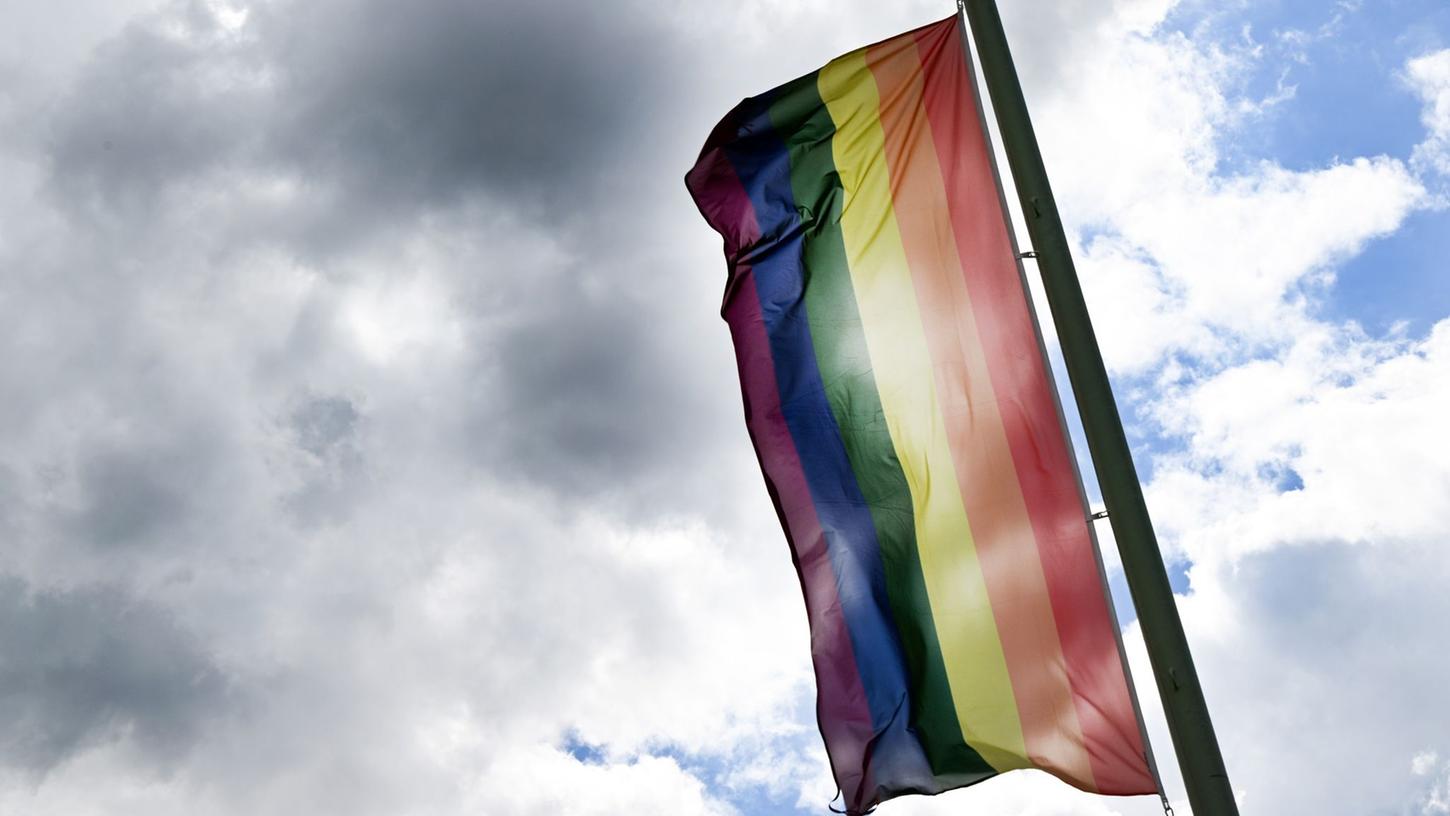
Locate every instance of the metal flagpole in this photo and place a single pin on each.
(1194, 741)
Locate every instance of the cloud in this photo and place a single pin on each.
(447, 177)
(330, 343)
(1336, 440)
(1297, 655)
(543, 781)
(362, 109)
(92, 666)
(1182, 254)
(521, 102)
(1437, 799)
(1429, 76)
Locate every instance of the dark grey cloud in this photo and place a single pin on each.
(131, 496)
(430, 101)
(151, 110)
(586, 398)
(92, 665)
(380, 112)
(325, 424)
(329, 430)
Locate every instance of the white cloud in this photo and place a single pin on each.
(1429, 76)
(1303, 649)
(1424, 763)
(543, 781)
(1437, 799)
(1180, 254)
(404, 318)
(1340, 438)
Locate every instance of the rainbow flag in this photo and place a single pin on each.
(898, 398)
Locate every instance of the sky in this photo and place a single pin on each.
(370, 442)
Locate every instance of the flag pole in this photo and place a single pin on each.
(1199, 758)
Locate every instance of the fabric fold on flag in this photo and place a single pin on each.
(902, 411)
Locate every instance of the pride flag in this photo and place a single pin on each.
(898, 398)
